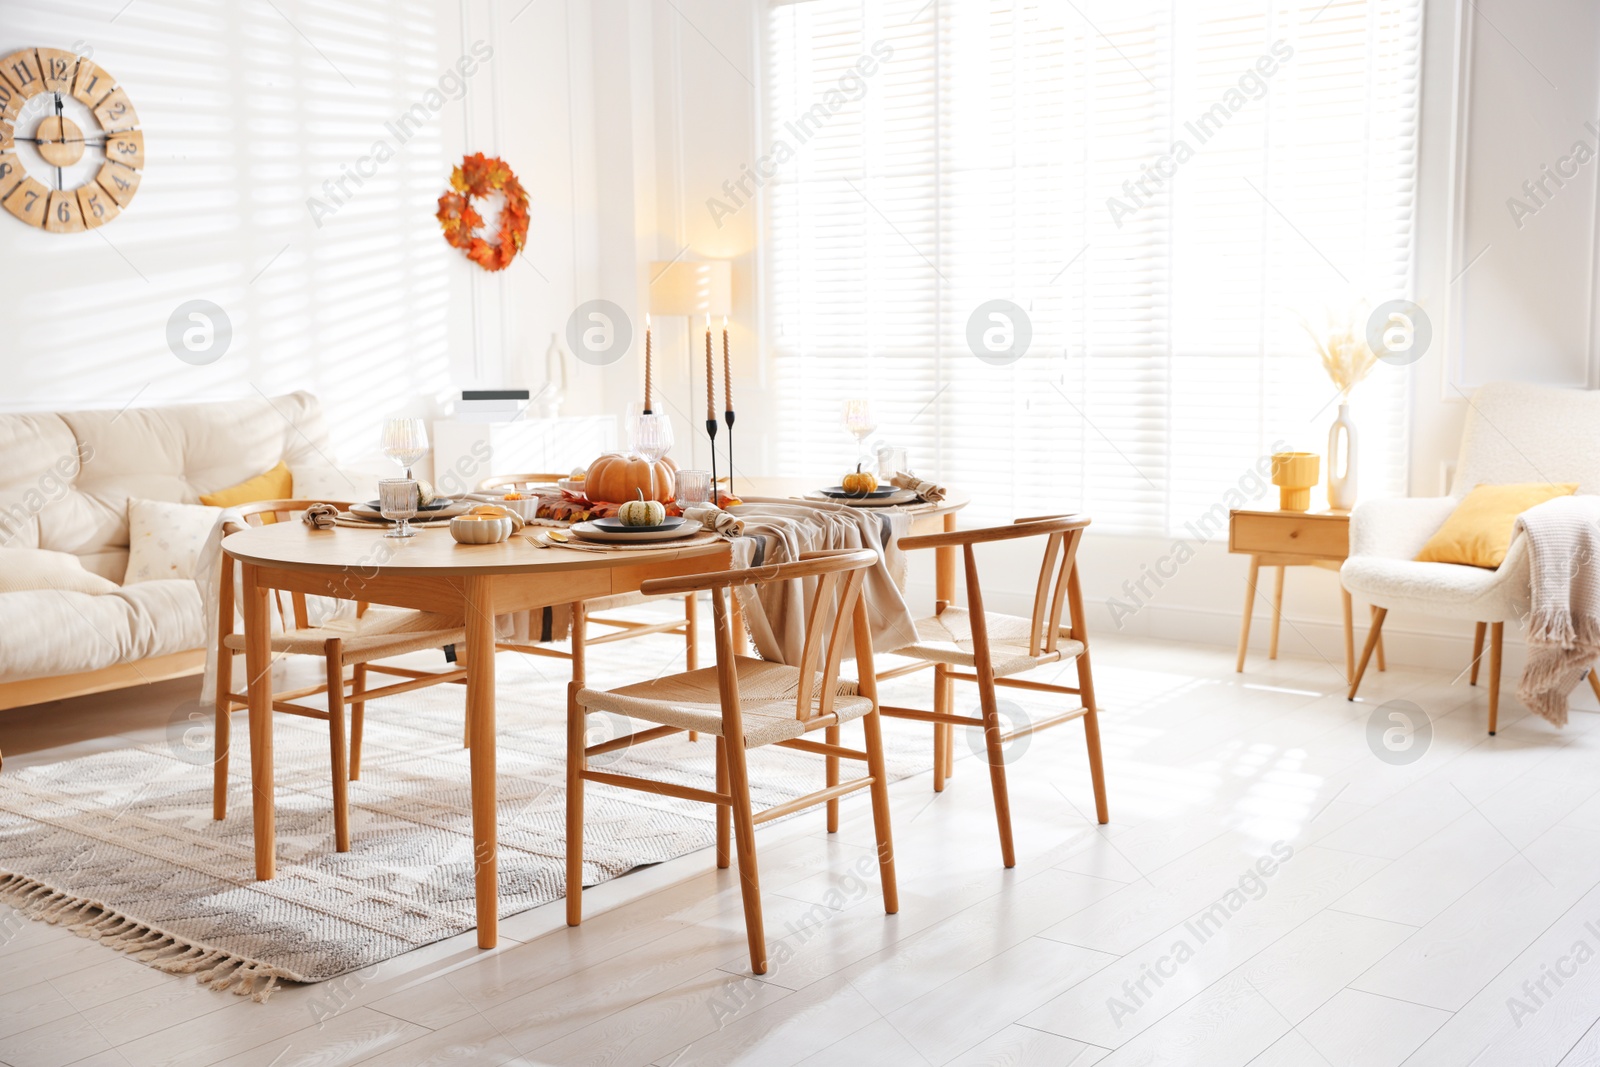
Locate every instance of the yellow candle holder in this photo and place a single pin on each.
(1294, 473)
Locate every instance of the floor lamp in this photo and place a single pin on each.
(692, 290)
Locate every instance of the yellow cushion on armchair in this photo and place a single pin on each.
(1478, 532)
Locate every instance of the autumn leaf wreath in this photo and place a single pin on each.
(477, 177)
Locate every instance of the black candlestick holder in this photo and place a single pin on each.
(727, 416)
(711, 431)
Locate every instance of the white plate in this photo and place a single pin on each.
(590, 532)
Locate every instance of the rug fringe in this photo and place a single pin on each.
(147, 944)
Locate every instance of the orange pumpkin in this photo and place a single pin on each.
(617, 477)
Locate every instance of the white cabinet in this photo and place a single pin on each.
(464, 453)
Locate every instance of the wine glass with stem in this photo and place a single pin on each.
(859, 422)
(405, 441)
(652, 436)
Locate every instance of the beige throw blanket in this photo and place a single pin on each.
(779, 530)
(1564, 626)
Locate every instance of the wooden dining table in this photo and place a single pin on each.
(431, 572)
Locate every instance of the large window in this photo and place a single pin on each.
(1164, 189)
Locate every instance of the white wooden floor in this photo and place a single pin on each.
(1442, 912)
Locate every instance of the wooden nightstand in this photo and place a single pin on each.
(1284, 539)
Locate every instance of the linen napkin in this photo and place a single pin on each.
(710, 517)
(927, 492)
(320, 516)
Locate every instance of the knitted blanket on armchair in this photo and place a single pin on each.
(1564, 625)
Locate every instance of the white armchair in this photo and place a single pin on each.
(1514, 433)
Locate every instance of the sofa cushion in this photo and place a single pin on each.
(68, 477)
(166, 540)
(48, 632)
(39, 568)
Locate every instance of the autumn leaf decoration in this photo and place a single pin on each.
(477, 177)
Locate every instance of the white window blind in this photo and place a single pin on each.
(1164, 188)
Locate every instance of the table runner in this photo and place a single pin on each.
(779, 530)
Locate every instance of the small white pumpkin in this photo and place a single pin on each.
(642, 512)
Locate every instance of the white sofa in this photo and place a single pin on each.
(65, 482)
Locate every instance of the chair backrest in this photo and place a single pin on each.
(256, 513)
(1530, 433)
(836, 612)
(518, 482)
(1057, 589)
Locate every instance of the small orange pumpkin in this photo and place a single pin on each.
(859, 482)
(617, 478)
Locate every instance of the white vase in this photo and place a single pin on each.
(1342, 461)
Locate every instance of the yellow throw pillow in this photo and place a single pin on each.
(276, 484)
(1478, 531)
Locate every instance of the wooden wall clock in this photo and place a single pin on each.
(70, 148)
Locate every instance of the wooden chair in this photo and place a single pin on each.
(749, 703)
(620, 629)
(377, 633)
(971, 645)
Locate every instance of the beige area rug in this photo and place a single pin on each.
(121, 846)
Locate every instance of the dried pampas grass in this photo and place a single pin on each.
(1342, 344)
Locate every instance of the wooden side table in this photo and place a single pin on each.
(1284, 539)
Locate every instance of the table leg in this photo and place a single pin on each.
(480, 717)
(1249, 606)
(944, 576)
(741, 636)
(1277, 615)
(258, 671)
(1349, 636)
(944, 593)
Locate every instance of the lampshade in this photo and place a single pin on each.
(690, 288)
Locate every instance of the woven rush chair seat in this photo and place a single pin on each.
(377, 634)
(615, 600)
(767, 693)
(746, 703)
(947, 638)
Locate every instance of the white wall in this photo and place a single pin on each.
(622, 117)
(1527, 82)
(247, 109)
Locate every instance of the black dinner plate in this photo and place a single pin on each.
(432, 505)
(618, 526)
(844, 494)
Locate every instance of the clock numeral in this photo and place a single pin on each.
(8, 137)
(10, 172)
(56, 69)
(97, 205)
(119, 182)
(116, 112)
(126, 148)
(28, 201)
(21, 69)
(63, 215)
(10, 101)
(92, 84)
